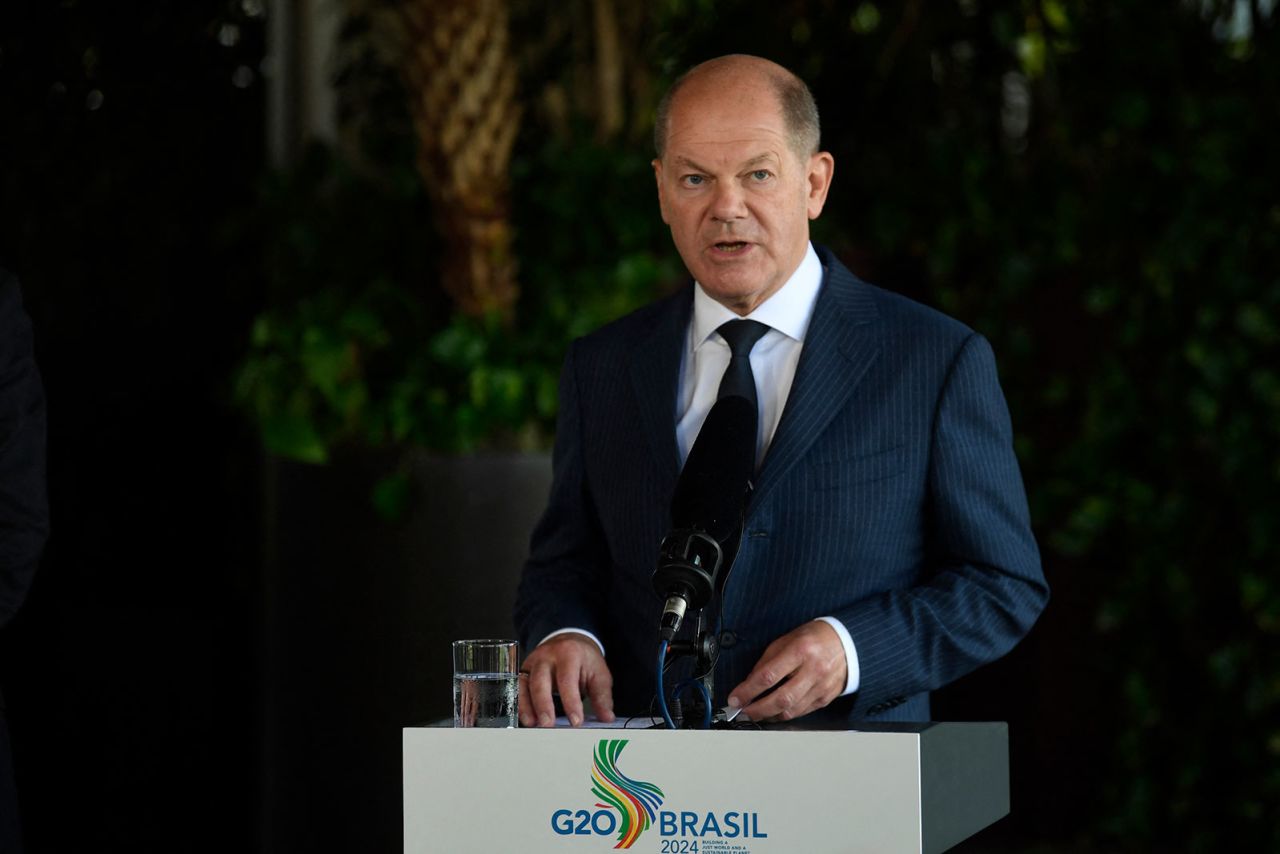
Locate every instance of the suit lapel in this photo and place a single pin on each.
(839, 347)
(655, 369)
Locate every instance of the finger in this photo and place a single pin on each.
(471, 706)
(569, 681)
(803, 670)
(777, 663)
(544, 707)
(820, 695)
(524, 705)
(600, 690)
(790, 699)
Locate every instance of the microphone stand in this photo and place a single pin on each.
(708, 511)
(705, 649)
(690, 569)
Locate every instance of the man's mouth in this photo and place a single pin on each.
(731, 247)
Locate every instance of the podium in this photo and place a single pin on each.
(885, 789)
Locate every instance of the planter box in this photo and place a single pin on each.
(358, 616)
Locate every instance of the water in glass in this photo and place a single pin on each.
(485, 699)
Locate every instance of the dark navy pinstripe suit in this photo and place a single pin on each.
(890, 499)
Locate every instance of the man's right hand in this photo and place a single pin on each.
(572, 663)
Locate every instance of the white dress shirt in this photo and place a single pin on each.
(773, 358)
(773, 363)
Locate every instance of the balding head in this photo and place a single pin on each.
(795, 101)
(739, 176)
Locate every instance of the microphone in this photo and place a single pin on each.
(706, 511)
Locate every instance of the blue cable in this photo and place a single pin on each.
(706, 704)
(662, 696)
(706, 697)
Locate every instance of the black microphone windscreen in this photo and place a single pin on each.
(716, 478)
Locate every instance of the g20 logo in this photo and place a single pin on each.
(583, 822)
(636, 803)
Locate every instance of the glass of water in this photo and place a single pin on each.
(486, 676)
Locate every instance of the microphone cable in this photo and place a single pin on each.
(680, 688)
(662, 694)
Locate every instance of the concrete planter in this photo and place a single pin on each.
(358, 617)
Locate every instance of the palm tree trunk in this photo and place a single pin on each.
(460, 75)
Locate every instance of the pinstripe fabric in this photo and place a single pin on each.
(890, 499)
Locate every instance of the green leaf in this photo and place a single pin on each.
(865, 19)
(391, 496)
(293, 436)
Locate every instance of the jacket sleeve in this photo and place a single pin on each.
(562, 584)
(24, 507)
(983, 587)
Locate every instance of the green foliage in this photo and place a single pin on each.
(1093, 186)
(590, 241)
(361, 347)
(1166, 478)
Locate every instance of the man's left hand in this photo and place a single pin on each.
(800, 672)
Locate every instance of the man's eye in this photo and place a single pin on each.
(693, 180)
(760, 175)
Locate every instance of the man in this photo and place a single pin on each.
(886, 548)
(24, 514)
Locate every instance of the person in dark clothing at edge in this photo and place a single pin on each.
(24, 505)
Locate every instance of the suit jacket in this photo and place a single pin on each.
(24, 510)
(889, 498)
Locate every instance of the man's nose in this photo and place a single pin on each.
(729, 203)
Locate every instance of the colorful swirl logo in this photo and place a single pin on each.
(637, 803)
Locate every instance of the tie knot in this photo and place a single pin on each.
(742, 335)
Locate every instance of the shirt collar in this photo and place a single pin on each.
(788, 311)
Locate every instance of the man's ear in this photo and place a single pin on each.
(822, 168)
(662, 196)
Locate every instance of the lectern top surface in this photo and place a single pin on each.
(795, 726)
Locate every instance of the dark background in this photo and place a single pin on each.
(1090, 185)
(124, 147)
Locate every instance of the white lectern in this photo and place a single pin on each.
(883, 790)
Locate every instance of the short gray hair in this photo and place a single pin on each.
(799, 110)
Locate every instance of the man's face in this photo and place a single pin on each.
(736, 195)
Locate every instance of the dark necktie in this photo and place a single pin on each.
(738, 381)
(741, 336)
